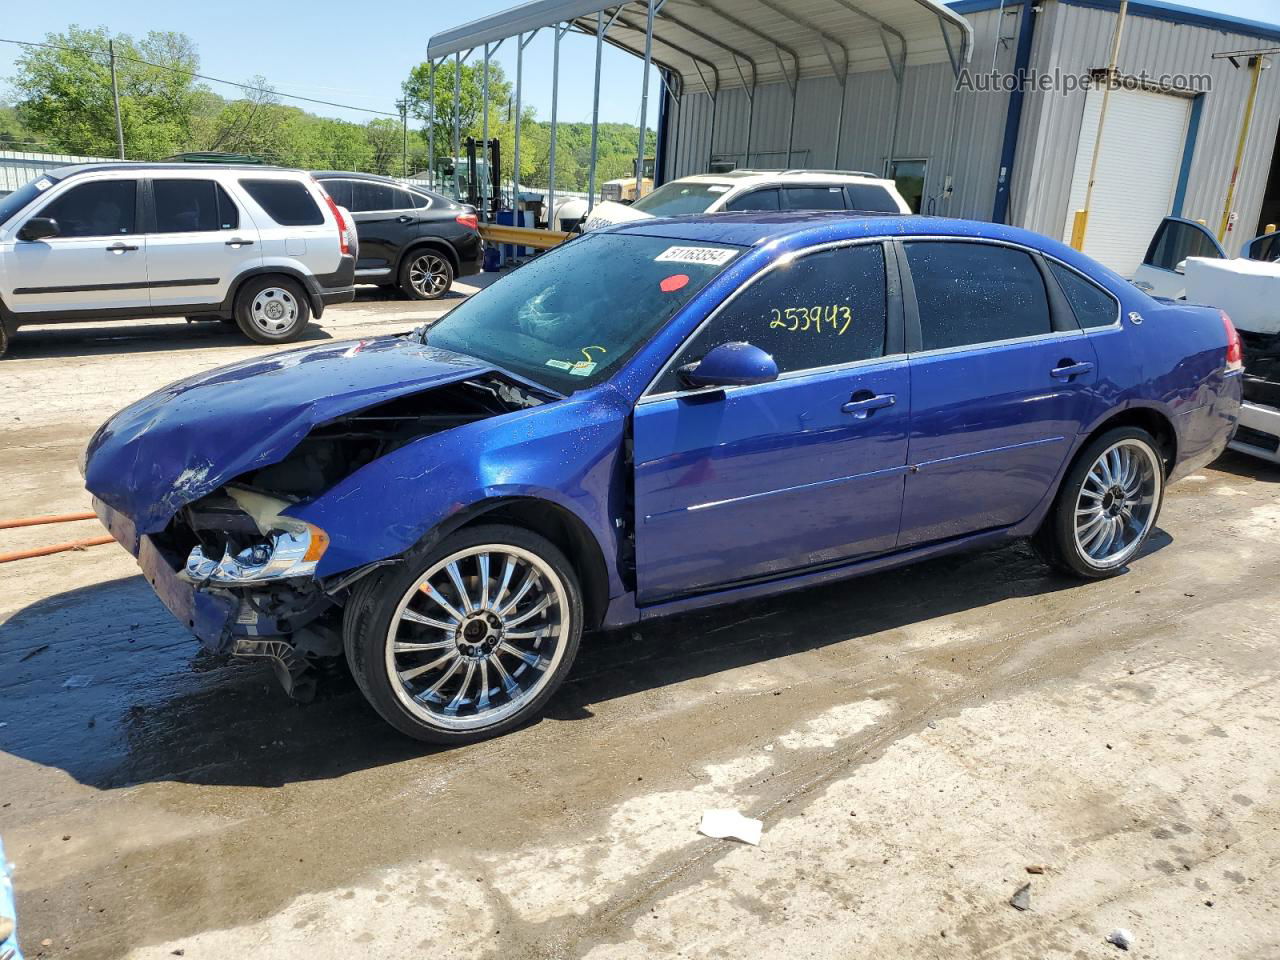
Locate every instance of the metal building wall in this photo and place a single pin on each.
(958, 132)
(1076, 39)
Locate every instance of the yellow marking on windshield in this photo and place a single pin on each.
(588, 355)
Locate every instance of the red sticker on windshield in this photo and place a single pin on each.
(674, 282)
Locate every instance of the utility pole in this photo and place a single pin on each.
(115, 97)
(1257, 60)
(1081, 225)
(404, 137)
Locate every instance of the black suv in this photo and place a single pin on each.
(409, 237)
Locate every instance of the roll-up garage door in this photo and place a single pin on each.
(1138, 169)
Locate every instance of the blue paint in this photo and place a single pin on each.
(720, 493)
(1188, 154)
(1013, 119)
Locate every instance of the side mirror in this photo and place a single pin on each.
(1181, 267)
(37, 228)
(730, 365)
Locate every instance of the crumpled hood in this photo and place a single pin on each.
(186, 440)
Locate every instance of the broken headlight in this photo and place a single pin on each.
(288, 548)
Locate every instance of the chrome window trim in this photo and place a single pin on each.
(986, 344)
(784, 260)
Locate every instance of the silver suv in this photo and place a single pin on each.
(264, 247)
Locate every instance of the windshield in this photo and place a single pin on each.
(569, 318)
(680, 198)
(15, 201)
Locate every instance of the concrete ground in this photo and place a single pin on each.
(919, 745)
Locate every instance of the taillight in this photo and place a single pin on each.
(1235, 349)
(337, 217)
(468, 220)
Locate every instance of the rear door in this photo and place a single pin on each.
(1002, 380)
(97, 262)
(760, 481)
(198, 241)
(1162, 271)
(387, 220)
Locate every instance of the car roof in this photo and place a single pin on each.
(741, 176)
(804, 228)
(352, 175)
(61, 173)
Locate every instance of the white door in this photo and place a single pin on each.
(200, 242)
(1162, 272)
(96, 262)
(1138, 168)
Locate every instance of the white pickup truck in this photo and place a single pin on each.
(1186, 262)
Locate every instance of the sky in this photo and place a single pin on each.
(330, 50)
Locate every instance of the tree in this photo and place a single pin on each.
(248, 125)
(63, 92)
(386, 141)
(470, 101)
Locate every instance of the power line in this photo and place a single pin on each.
(201, 76)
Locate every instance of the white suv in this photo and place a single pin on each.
(263, 246)
(757, 190)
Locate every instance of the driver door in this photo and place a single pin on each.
(753, 482)
(98, 260)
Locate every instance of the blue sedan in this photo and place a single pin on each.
(654, 418)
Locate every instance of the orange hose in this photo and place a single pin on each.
(55, 548)
(51, 518)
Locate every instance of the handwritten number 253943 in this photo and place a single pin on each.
(837, 317)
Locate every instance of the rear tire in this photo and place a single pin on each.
(1107, 506)
(426, 274)
(272, 309)
(467, 639)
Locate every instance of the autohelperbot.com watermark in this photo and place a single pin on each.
(1066, 83)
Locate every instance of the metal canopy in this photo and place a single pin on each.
(719, 44)
(713, 45)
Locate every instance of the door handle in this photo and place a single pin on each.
(862, 408)
(122, 247)
(404, 219)
(1067, 369)
(237, 242)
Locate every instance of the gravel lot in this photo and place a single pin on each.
(913, 742)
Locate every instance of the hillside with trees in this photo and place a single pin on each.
(59, 101)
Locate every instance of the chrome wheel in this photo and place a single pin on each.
(429, 275)
(1117, 503)
(477, 636)
(274, 311)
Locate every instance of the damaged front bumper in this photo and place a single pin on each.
(245, 618)
(206, 614)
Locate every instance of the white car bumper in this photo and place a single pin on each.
(1258, 433)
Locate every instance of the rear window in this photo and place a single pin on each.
(681, 198)
(186, 206)
(869, 197)
(812, 198)
(288, 202)
(1092, 305)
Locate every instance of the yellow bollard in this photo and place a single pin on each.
(1078, 229)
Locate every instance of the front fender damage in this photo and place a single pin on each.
(295, 621)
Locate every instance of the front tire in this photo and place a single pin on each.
(1107, 506)
(426, 275)
(272, 310)
(468, 639)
